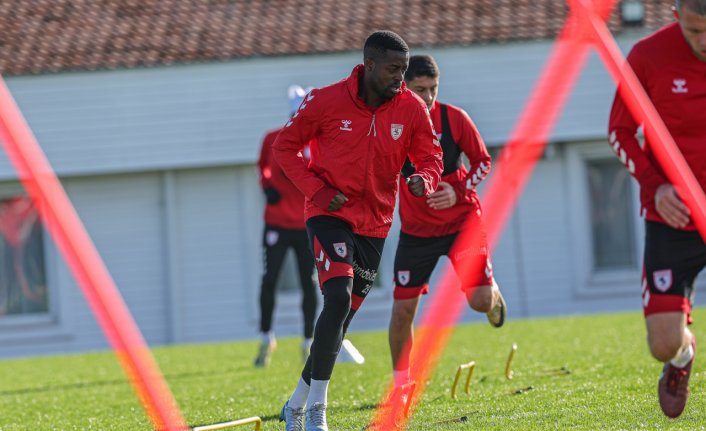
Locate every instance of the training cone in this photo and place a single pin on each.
(349, 353)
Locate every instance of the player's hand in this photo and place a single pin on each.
(415, 184)
(671, 207)
(337, 202)
(444, 197)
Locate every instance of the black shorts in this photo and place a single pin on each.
(673, 258)
(276, 240)
(338, 252)
(416, 258)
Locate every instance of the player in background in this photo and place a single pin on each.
(430, 226)
(671, 66)
(285, 228)
(363, 128)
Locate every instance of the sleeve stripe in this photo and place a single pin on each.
(621, 153)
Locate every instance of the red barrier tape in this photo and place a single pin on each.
(510, 175)
(65, 227)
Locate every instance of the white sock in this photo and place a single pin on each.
(299, 396)
(401, 377)
(318, 392)
(267, 337)
(683, 358)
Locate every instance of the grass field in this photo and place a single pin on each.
(611, 386)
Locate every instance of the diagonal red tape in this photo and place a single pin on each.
(512, 171)
(103, 297)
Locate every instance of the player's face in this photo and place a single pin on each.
(425, 87)
(693, 26)
(387, 73)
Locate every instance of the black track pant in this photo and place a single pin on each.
(276, 242)
(347, 264)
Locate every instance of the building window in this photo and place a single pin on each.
(23, 287)
(612, 214)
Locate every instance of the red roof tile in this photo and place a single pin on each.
(42, 36)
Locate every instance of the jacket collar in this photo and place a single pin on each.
(352, 83)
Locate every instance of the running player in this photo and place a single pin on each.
(284, 229)
(430, 226)
(671, 65)
(364, 127)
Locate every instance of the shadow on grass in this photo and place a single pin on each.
(114, 382)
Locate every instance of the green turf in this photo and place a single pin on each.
(611, 385)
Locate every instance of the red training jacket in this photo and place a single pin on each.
(417, 217)
(675, 80)
(358, 151)
(288, 212)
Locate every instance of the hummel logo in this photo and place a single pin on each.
(309, 97)
(327, 263)
(679, 86)
(346, 125)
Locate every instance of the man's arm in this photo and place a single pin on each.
(473, 146)
(425, 154)
(264, 165)
(300, 130)
(263, 162)
(622, 136)
(471, 143)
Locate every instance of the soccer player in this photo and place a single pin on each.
(365, 127)
(430, 226)
(671, 65)
(284, 229)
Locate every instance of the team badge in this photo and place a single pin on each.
(340, 249)
(662, 279)
(396, 131)
(403, 277)
(271, 237)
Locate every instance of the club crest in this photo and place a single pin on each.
(396, 131)
(662, 279)
(340, 249)
(403, 277)
(271, 237)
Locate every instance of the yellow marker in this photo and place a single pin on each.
(470, 366)
(508, 366)
(232, 424)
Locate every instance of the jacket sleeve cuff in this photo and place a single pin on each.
(652, 179)
(323, 197)
(461, 191)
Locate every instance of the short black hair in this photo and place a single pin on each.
(421, 65)
(379, 42)
(696, 6)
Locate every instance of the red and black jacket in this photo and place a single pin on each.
(675, 80)
(358, 151)
(459, 135)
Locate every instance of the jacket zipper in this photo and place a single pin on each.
(372, 129)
